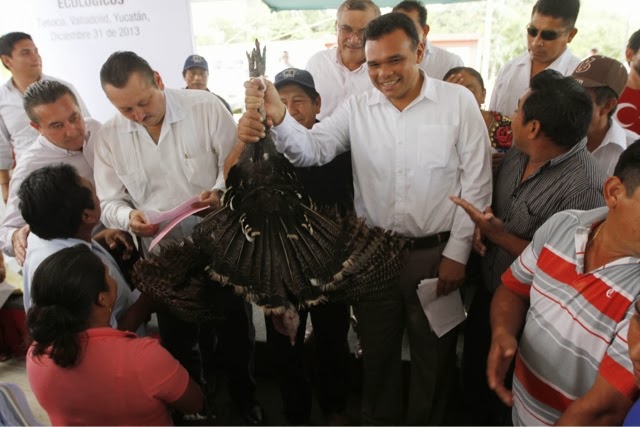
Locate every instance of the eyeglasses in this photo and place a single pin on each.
(349, 32)
(547, 35)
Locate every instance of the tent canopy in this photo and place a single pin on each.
(333, 4)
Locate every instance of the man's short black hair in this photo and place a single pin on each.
(567, 10)
(8, 42)
(634, 42)
(119, 67)
(628, 168)
(44, 92)
(561, 106)
(411, 5)
(52, 201)
(388, 23)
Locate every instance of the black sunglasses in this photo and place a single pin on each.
(544, 34)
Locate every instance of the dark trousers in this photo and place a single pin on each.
(330, 327)
(433, 359)
(482, 405)
(194, 345)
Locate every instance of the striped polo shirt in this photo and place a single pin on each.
(577, 322)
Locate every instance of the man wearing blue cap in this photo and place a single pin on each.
(328, 186)
(196, 75)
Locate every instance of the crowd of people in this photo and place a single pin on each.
(532, 203)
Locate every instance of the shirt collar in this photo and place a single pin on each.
(574, 150)
(588, 221)
(615, 135)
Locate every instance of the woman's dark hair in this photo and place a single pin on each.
(63, 289)
(472, 71)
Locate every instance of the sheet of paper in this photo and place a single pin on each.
(167, 228)
(444, 313)
(156, 217)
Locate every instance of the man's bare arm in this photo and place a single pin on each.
(601, 405)
(508, 312)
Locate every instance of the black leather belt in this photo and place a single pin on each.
(432, 241)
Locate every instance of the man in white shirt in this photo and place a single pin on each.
(437, 61)
(164, 147)
(604, 79)
(414, 141)
(551, 28)
(341, 72)
(64, 137)
(20, 56)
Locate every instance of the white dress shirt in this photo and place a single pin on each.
(15, 130)
(438, 61)
(44, 153)
(406, 164)
(132, 171)
(40, 249)
(614, 143)
(334, 81)
(513, 80)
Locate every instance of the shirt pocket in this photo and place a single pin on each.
(435, 145)
(136, 184)
(202, 169)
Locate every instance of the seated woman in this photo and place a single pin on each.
(498, 125)
(81, 370)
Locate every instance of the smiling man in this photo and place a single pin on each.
(65, 136)
(552, 27)
(413, 140)
(20, 56)
(342, 72)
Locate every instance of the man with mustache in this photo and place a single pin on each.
(342, 72)
(552, 27)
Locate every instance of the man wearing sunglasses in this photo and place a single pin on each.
(551, 28)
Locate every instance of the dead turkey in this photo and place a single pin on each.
(271, 243)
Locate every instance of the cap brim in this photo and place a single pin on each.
(293, 82)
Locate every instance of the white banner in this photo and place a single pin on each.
(75, 37)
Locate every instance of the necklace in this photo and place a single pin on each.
(593, 238)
